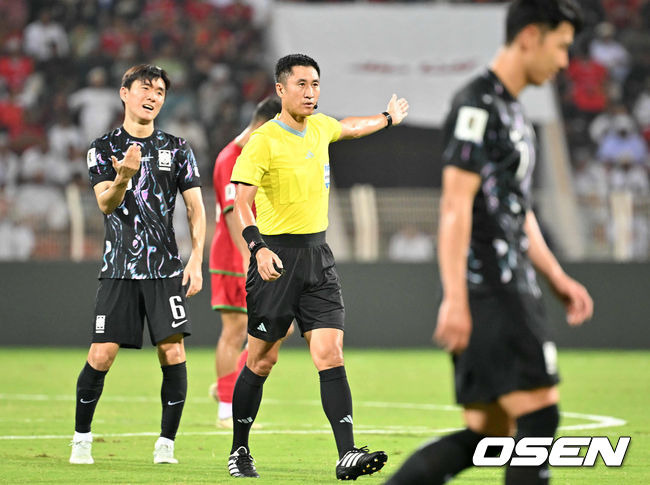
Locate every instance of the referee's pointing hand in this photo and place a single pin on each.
(266, 262)
(398, 109)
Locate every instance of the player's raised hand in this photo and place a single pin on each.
(269, 264)
(130, 164)
(398, 109)
(454, 326)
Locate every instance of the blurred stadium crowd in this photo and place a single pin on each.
(606, 106)
(61, 61)
(59, 68)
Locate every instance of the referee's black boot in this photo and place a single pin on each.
(360, 461)
(241, 464)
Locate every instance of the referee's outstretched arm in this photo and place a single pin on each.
(357, 126)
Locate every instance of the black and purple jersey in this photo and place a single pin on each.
(486, 132)
(140, 241)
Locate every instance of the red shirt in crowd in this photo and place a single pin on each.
(589, 84)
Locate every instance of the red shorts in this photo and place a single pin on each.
(228, 292)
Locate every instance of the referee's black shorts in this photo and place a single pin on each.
(309, 290)
(510, 348)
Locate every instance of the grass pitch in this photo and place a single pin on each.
(401, 399)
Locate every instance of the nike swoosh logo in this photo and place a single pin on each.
(169, 403)
(87, 402)
(178, 324)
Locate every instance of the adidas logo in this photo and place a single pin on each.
(261, 327)
(346, 419)
(351, 458)
(245, 420)
(309, 154)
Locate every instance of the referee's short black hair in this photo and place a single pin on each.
(267, 109)
(285, 64)
(545, 13)
(145, 72)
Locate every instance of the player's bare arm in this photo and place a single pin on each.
(196, 220)
(244, 199)
(358, 126)
(579, 304)
(454, 324)
(110, 194)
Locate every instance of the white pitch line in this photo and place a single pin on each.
(374, 404)
(203, 400)
(600, 421)
(69, 397)
(405, 430)
(597, 420)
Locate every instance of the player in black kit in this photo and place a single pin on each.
(136, 172)
(491, 317)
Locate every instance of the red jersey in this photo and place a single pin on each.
(589, 92)
(225, 258)
(16, 70)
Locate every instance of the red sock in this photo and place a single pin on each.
(241, 362)
(226, 384)
(225, 387)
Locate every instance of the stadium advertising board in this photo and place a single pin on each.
(422, 52)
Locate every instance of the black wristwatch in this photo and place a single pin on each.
(389, 119)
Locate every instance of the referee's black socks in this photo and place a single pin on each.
(172, 394)
(246, 401)
(437, 462)
(89, 388)
(337, 404)
(542, 424)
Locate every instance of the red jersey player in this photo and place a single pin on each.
(228, 266)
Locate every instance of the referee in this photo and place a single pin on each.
(491, 317)
(284, 169)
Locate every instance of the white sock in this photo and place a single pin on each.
(225, 410)
(165, 441)
(83, 436)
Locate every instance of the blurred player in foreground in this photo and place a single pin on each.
(491, 317)
(285, 170)
(136, 172)
(228, 264)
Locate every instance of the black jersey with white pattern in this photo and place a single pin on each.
(487, 132)
(140, 242)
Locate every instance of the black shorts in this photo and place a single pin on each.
(309, 290)
(510, 348)
(121, 306)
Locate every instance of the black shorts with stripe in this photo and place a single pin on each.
(122, 305)
(510, 348)
(309, 290)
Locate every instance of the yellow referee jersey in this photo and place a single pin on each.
(291, 169)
